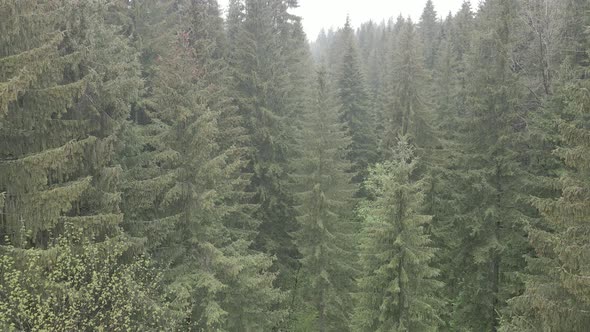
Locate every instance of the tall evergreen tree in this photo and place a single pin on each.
(380, 78)
(556, 296)
(163, 170)
(461, 36)
(185, 190)
(446, 77)
(355, 110)
(325, 234)
(540, 44)
(264, 94)
(299, 65)
(67, 77)
(398, 290)
(408, 113)
(462, 30)
(429, 33)
(493, 240)
(447, 192)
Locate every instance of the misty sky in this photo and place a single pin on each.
(318, 14)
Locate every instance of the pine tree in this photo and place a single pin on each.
(355, 110)
(325, 234)
(67, 77)
(398, 290)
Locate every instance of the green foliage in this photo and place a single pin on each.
(556, 296)
(496, 209)
(268, 83)
(398, 288)
(325, 236)
(78, 284)
(429, 33)
(407, 113)
(184, 190)
(60, 131)
(66, 265)
(355, 110)
(161, 169)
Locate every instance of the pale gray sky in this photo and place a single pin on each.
(318, 14)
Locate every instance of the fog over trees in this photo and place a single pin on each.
(164, 167)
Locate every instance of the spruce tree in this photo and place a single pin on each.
(380, 78)
(540, 45)
(355, 110)
(67, 78)
(185, 190)
(55, 128)
(408, 113)
(163, 170)
(556, 296)
(299, 65)
(492, 236)
(446, 82)
(429, 33)
(398, 289)
(461, 37)
(263, 94)
(462, 30)
(447, 192)
(325, 195)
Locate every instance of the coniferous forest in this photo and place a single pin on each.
(166, 166)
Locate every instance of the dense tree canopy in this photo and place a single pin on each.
(165, 167)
